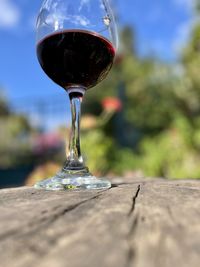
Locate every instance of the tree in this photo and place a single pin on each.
(4, 109)
(14, 131)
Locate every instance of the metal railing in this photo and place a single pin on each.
(43, 112)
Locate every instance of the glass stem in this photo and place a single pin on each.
(74, 157)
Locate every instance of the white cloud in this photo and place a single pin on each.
(80, 20)
(9, 14)
(57, 20)
(84, 3)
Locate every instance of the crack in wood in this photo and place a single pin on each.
(130, 257)
(23, 238)
(134, 201)
(114, 185)
(46, 221)
(121, 184)
(131, 250)
(73, 207)
(134, 225)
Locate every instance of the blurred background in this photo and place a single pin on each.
(143, 120)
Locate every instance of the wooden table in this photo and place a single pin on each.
(147, 223)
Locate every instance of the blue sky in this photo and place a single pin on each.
(161, 28)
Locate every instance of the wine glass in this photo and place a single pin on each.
(76, 45)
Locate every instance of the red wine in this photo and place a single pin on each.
(75, 57)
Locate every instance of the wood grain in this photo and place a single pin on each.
(147, 223)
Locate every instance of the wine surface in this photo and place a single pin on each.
(75, 57)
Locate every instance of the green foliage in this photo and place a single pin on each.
(15, 147)
(172, 153)
(104, 155)
(150, 100)
(124, 161)
(161, 103)
(97, 146)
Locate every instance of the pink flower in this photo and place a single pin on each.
(111, 104)
(47, 141)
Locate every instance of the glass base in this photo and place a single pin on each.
(72, 180)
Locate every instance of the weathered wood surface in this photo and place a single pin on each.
(142, 224)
